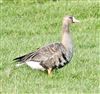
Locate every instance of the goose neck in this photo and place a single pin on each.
(65, 27)
(66, 38)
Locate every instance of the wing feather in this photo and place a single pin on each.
(48, 51)
(57, 60)
(42, 54)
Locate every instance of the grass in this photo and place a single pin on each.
(25, 26)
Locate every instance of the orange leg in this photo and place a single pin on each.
(49, 71)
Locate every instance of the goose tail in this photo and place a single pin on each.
(19, 59)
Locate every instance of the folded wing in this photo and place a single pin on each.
(53, 55)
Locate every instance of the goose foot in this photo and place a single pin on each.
(49, 71)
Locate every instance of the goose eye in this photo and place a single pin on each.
(71, 17)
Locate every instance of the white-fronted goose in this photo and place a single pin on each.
(54, 55)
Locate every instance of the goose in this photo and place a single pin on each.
(52, 56)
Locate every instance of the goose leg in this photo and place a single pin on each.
(49, 71)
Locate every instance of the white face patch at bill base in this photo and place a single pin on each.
(75, 20)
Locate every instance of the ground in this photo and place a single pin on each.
(26, 26)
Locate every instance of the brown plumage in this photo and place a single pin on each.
(54, 55)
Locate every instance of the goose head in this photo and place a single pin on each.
(70, 19)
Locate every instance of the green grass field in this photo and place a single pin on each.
(26, 26)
